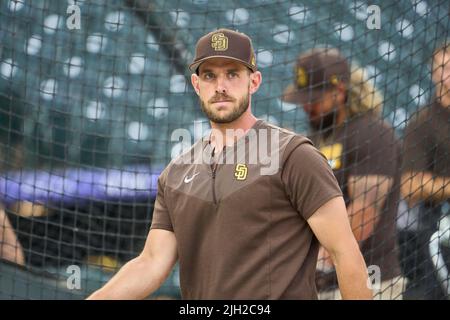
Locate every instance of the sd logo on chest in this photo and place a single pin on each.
(241, 172)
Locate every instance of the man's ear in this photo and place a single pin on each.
(436, 69)
(195, 83)
(255, 81)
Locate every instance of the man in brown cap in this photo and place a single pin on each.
(238, 231)
(343, 110)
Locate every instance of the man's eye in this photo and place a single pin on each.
(232, 75)
(209, 76)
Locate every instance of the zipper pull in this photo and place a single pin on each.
(214, 170)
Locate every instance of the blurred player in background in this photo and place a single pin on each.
(238, 233)
(344, 115)
(426, 180)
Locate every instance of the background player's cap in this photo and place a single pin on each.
(224, 43)
(316, 71)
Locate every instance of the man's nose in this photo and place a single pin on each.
(221, 84)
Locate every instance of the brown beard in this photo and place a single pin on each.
(235, 114)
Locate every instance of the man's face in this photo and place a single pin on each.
(441, 76)
(322, 113)
(224, 88)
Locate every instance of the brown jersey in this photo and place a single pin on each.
(242, 234)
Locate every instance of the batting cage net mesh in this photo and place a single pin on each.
(91, 92)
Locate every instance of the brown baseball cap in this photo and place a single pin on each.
(316, 71)
(224, 43)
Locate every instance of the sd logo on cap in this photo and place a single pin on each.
(219, 42)
(224, 43)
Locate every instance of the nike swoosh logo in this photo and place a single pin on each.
(189, 179)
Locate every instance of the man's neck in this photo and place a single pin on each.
(220, 133)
